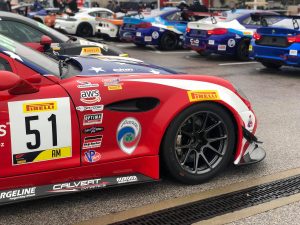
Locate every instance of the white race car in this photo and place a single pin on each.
(84, 22)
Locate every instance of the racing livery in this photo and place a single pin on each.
(30, 33)
(277, 45)
(164, 30)
(229, 34)
(84, 123)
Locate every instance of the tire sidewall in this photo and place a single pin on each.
(244, 43)
(162, 41)
(80, 26)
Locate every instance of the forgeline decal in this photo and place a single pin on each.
(90, 51)
(13, 195)
(203, 95)
(39, 107)
(92, 142)
(91, 119)
(17, 194)
(92, 130)
(129, 134)
(39, 156)
(92, 156)
(2, 130)
(111, 81)
(93, 108)
(90, 96)
(43, 127)
(123, 70)
(114, 87)
(86, 84)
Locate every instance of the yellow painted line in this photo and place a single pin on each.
(146, 209)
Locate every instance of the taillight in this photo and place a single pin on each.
(257, 36)
(144, 25)
(217, 31)
(294, 39)
(188, 29)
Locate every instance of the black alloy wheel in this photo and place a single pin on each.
(199, 143)
(168, 41)
(243, 50)
(84, 30)
(271, 65)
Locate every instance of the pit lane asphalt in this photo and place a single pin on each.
(274, 96)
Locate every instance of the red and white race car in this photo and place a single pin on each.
(85, 123)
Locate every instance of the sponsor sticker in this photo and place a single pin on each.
(91, 119)
(86, 84)
(39, 107)
(250, 122)
(247, 33)
(90, 96)
(127, 179)
(114, 87)
(211, 42)
(111, 81)
(92, 130)
(90, 51)
(123, 70)
(78, 185)
(231, 43)
(92, 156)
(250, 47)
(92, 142)
(138, 34)
(203, 95)
(194, 42)
(93, 108)
(129, 134)
(155, 35)
(293, 52)
(17, 194)
(148, 38)
(221, 47)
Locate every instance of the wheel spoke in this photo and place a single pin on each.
(213, 126)
(186, 157)
(196, 161)
(205, 160)
(210, 140)
(204, 123)
(186, 133)
(194, 123)
(214, 150)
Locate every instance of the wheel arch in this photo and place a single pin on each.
(88, 23)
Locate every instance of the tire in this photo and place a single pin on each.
(179, 161)
(84, 30)
(203, 53)
(271, 65)
(168, 41)
(140, 45)
(243, 50)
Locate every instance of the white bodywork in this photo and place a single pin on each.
(86, 15)
(107, 28)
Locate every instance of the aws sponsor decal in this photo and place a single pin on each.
(92, 156)
(205, 95)
(92, 130)
(90, 51)
(39, 107)
(90, 96)
(128, 134)
(44, 155)
(92, 142)
(78, 185)
(127, 179)
(93, 108)
(17, 194)
(91, 119)
(86, 84)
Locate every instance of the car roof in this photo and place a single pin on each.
(88, 10)
(16, 16)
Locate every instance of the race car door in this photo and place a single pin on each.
(38, 123)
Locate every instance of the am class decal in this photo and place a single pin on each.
(128, 134)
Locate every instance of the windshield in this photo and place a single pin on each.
(32, 58)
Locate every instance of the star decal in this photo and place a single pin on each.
(97, 69)
(154, 71)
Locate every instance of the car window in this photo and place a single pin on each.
(249, 21)
(176, 16)
(101, 14)
(20, 32)
(4, 65)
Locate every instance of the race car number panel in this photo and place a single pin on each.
(43, 128)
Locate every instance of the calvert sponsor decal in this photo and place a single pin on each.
(78, 185)
(128, 134)
(17, 194)
(90, 96)
(93, 108)
(39, 107)
(93, 130)
(128, 179)
(92, 142)
(90, 119)
(203, 95)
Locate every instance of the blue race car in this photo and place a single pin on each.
(277, 45)
(229, 34)
(163, 29)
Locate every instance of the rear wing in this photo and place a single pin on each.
(263, 19)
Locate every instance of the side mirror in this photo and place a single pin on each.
(15, 85)
(45, 40)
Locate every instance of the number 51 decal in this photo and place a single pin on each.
(40, 130)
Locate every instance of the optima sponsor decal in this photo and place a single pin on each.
(128, 179)
(18, 194)
(90, 96)
(207, 95)
(39, 107)
(90, 119)
(128, 134)
(92, 142)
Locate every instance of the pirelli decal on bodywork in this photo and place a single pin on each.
(203, 95)
(39, 107)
